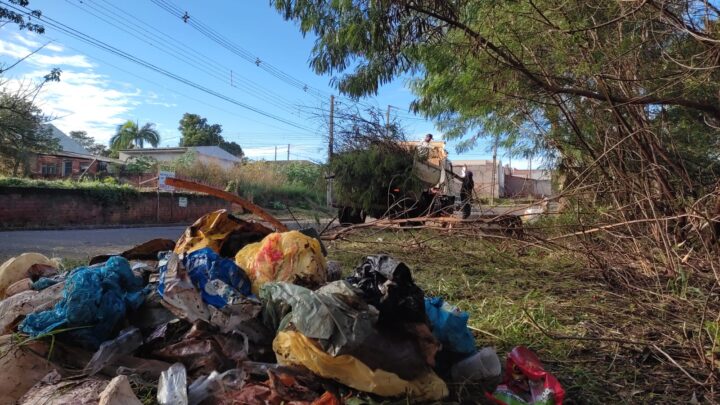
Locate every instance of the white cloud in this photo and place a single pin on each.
(17, 51)
(83, 99)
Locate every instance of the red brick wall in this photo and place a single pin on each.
(52, 208)
(59, 162)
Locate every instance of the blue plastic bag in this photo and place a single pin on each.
(449, 325)
(219, 280)
(95, 299)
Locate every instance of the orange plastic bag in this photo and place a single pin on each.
(213, 230)
(288, 257)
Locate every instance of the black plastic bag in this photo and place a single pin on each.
(387, 284)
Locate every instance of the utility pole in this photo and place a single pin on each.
(288, 152)
(387, 121)
(276, 153)
(331, 141)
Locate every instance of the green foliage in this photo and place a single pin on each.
(23, 22)
(88, 142)
(21, 131)
(140, 165)
(129, 135)
(365, 177)
(304, 174)
(196, 131)
(101, 191)
(264, 183)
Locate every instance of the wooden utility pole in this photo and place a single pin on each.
(387, 121)
(276, 153)
(331, 141)
(288, 152)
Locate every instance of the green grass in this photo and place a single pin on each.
(512, 292)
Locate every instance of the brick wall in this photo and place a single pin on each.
(53, 208)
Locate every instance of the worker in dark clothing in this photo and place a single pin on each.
(466, 191)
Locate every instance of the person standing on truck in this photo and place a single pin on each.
(423, 150)
(466, 191)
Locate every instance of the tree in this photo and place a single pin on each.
(15, 15)
(196, 131)
(129, 135)
(22, 132)
(88, 142)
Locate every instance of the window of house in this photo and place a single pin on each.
(48, 169)
(102, 166)
(67, 168)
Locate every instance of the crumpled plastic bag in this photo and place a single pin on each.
(221, 232)
(172, 387)
(18, 268)
(334, 314)
(293, 348)
(12, 309)
(220, 281)
(525, 377)
(178, 292)
(288, 257)
(449, 325)
(95, 300)
(388, 285)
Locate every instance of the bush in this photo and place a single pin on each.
(103, 191)
(267, 184)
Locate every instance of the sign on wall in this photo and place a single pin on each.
(182, 202)
(162, 175)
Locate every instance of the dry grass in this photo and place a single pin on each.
(603, 340)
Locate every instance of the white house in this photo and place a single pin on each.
(203, 154)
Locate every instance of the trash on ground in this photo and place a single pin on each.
(221, 232)
(220, 281)
(54, 391)
(94, 301)
(144, 251)
(14, 308)
(21, 367)
(526, 381)
(290, 257)
(26, 265)
(449, 325)
(119, 392)
(235, 313)
(126, 343)
(172, 387)
(387, 284)
(293, 348)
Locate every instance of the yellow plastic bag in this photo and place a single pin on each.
(294, 348)
(213, 230)
(16, 269)
(290, 257)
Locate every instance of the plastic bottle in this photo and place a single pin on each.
(483, 365)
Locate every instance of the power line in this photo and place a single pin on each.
(100, 44)
(129, 26)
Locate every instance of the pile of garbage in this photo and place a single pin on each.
(234, 313)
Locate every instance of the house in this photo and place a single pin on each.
(71, 160)
(527, 183)
(203, 154)
(486, 185)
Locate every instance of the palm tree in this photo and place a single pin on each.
(130, 135)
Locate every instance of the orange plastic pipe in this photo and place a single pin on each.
(202, 188)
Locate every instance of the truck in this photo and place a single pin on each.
(434, 189)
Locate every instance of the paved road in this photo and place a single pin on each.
(86, 243)
(80, 244)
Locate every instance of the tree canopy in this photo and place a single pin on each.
(196, 131)
(129, 135)
(22, 132)
(88, 142)
(588, 84)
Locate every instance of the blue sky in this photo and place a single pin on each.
(99, 90)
